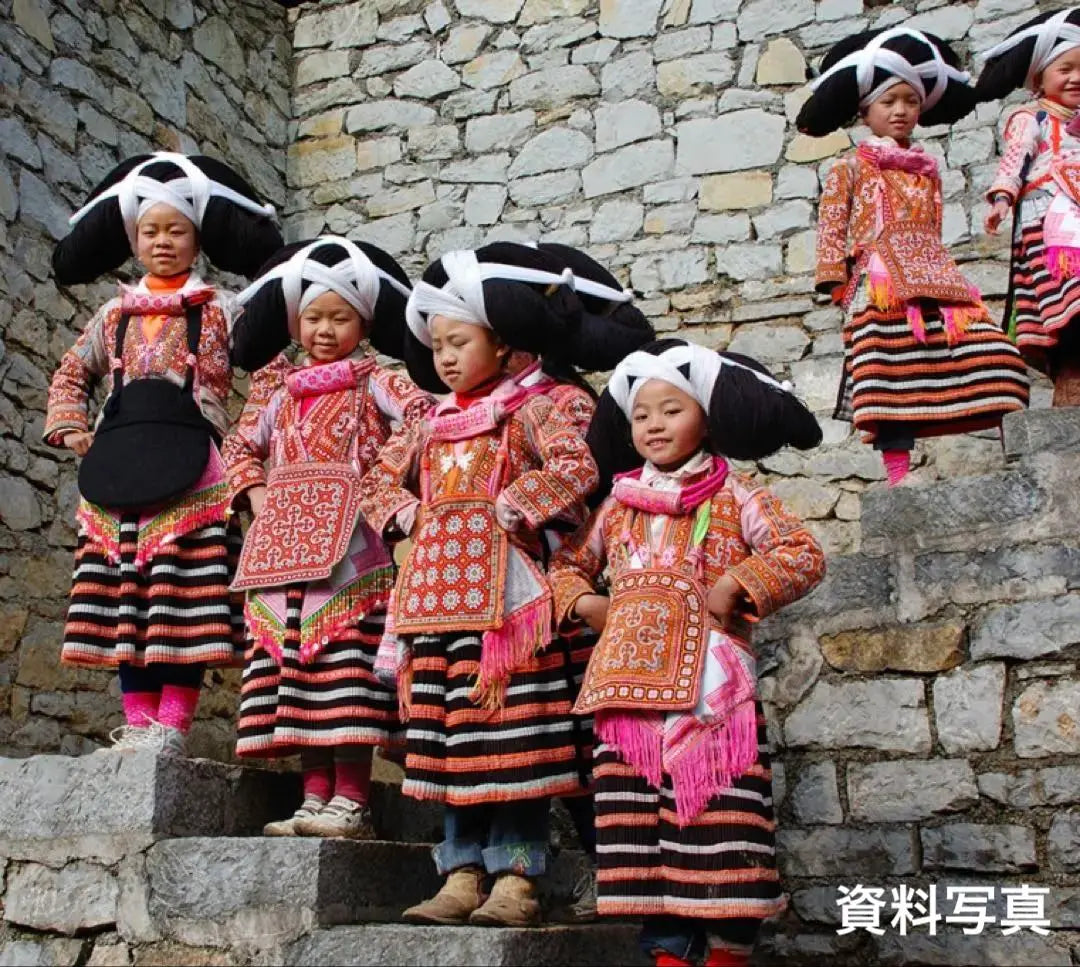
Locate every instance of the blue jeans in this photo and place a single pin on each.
(509, 837)
(688, 939)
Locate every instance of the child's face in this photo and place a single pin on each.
(330, 328)
(465, 355)
(666, 425)
(1061, 80)
(895, 113)
(166, 242)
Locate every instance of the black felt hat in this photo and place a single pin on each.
(363, 273)
(859, 65)
(236, 230)
(1019, 60)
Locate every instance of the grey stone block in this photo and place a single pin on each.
(108, 805)
(974, 846)
(403, 945)
(990, 949)
(840, 851)
(909, 789)
(1032, 432)
(79, 896)
(965, 507)
(264, 891)
(41, 953)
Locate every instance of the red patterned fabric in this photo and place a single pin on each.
(138, 303)
(304, 527)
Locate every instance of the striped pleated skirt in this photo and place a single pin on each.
(933, 388)
(331, 701)
(1042, 306)
(463, 754)
(176, 608)
(720, 866)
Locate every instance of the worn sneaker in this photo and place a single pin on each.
(165, 740)
(340, 817)
(287, 827)
(126, 738)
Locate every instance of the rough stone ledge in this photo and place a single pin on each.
(599, 944)
(1041, 431)
(109, 805)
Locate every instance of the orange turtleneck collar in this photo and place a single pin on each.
(161, 283)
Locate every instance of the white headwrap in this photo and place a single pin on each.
(356, 279)
(1053, 37)
(462, 297)
(189, 195)
(703, 366)
(901, 70)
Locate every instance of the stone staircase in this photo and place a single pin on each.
(923, 702)
(135, 858)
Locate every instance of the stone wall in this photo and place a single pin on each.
(82, 86)
(659, 135)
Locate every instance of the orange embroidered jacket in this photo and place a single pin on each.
(461, 574)
(849, 218)
(1036, 136)
(161, 354)
(752, 537)
(389, 401)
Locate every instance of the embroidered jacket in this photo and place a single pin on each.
(850, 216)
(752, 537)
(1031, 144)
(146, 353)
(387, 401)
(463, 571)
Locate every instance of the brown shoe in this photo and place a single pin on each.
(512, 903)
(461, 894)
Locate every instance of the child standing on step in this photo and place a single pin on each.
(1039, 177)
(685, 821)
(317, 577)
(922, 357)
(150, 595)
(489, 729)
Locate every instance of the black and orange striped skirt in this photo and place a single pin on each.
(1043, 309)
(720, 866)
(330, 701)
(463, 754)
(176, 608)
(931, 387)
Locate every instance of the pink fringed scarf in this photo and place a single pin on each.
(704, 749)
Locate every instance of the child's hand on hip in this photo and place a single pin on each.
(593, 610)
(995, 215)
(79, 442)
(724, 599)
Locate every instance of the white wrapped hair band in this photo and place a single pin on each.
(462, 297)
(189, 195)
(702, 367)
(356, 279)
(1053, 37)
(874, 55)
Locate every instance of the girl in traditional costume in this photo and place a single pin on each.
(922, 357)
(150, 595)
(695, 552)
(317, 577)
(1039, 177)
(487, 702)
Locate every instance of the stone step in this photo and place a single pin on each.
(253, 888)
(402, 944)
(112, 804)
(1033, 432)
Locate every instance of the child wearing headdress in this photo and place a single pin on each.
(487, 700)
(617, 328)
(317, 577)
(1039, 179)
(695, 553)
(922, 357)
(150, 594)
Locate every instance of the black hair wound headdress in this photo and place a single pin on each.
(362, 274)
(750, 414)
(860, 68)
(1019, 60)
(236, 230)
